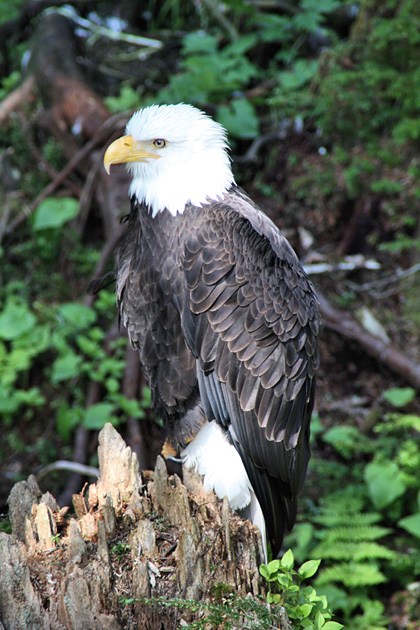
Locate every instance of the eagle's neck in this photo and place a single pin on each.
(173, 185)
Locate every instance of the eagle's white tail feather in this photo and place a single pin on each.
(214, 457)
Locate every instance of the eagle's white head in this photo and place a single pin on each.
(176, 154)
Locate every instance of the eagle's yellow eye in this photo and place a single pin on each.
(159, 143)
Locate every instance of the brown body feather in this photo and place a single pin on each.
(226, 324)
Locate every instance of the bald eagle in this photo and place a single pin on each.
(223, 316)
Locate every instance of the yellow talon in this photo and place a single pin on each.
(168, 450)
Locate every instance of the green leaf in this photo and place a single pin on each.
(15, 320)
(302, 72)
(304, 610)
(66, 367)
(98, 415)
(273, 598)
(273, 567)
(76, 314)
(8, 403)
(288, 560)
(332, 625)
(54, 213)
(319, 620)
(67, 419)
(239, 118)
(199, 42)
(309, 568)
(411, 524)
(400, 396)
(264, 571)
(322, 6)
(385, 483)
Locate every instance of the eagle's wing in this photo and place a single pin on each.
(147, 280)
(251, 319)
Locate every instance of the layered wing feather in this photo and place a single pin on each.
(147, 285)
(251, 320)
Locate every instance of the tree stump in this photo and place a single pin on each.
(138, 548)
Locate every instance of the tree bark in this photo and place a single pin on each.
(133, 537)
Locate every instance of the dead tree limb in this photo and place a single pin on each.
(383, 352)
(16, 98)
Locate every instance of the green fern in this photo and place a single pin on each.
(356, 533)
(352, 574)
(355, 551)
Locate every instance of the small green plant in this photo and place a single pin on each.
(120, 549)
(229, 612)
(304, 607)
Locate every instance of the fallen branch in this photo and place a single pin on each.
(351, 263)
(18, 97)
(62, 464)
(383, 352)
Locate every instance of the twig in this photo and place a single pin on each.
(383, 352)
(109, 33)
(4, 216)
(62, 464)
(256, 145)
(385, 281)
(86, 196)
(215, 9)
(107, 251)
(347, 265)
(20, 95)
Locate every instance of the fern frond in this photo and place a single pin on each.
(344, 550)
(334, 519)
(352, 575)
(354, 533)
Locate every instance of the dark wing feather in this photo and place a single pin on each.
(148, 284)
(251, 320)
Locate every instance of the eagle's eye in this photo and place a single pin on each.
(159, 143)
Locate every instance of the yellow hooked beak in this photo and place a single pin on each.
(126, 149)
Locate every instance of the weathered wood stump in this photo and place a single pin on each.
(134, 541)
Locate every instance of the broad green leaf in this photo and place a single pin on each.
(67, 419)
(66, 367)
(199, 42)
(385, 483)
(31, 397)
(411, 524)
(273, 598)
(400, 396)
(264, 571)
(79, 315)
(304, 610)
(15, 320)
(302, 72)
(239, 118)
(271, 568)
(332, 625)
(53, 212)
(321, 6)
(287, 560)
(98, 415)
(309, 568)
(8, 402)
